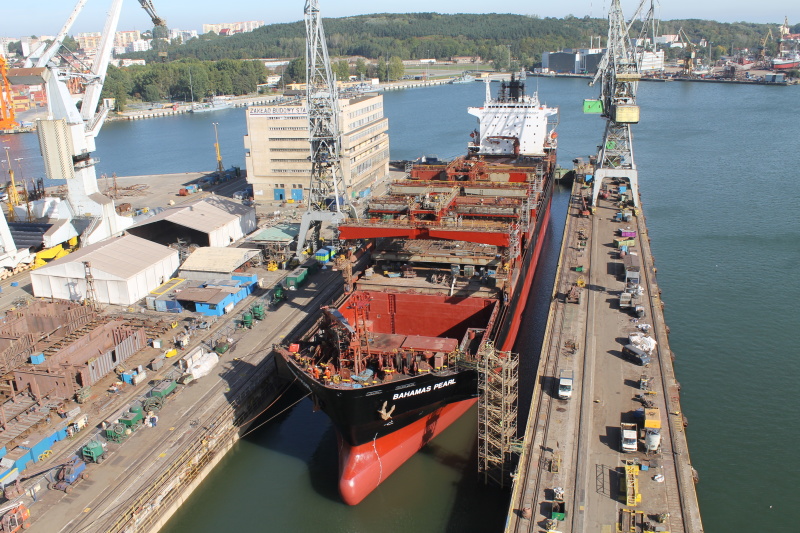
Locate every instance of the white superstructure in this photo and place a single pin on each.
(513, 123)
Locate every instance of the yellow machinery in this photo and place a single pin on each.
(49, 254)
(631, 521)
(632, 495)
(272, 266)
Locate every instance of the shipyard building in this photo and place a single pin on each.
(586, 60)
(277, 149)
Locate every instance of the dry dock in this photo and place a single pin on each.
(572, 475)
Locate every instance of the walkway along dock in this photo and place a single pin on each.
(573, 475)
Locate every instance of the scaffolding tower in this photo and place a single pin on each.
(498, 378)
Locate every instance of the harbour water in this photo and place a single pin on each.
(717, 164)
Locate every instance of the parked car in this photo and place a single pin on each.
(635, 355)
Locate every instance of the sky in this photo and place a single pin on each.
(19, 18)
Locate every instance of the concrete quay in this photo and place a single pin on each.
(574, 445)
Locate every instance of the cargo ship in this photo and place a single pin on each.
(446, 260)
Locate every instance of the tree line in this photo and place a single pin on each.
(433, 35)
(184, 80)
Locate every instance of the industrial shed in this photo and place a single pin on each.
(212, 221)
(124, 269)
(211, 263)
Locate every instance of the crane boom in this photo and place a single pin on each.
(322, 104)
(94, 120)
(43, 54)
(151, 10)
(160, 30)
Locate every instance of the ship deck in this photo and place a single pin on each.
(424, 282)
(574, 444)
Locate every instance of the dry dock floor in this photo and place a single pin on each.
(574, 444)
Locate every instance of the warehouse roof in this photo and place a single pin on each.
(121, 257)
(229, 206)
(204, 295)
(214, 259)
(200, 216)
(281, 232)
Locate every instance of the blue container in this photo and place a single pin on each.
(15, 283)
(37, 359)
(127, 378)
(623, 189)
(588, 178)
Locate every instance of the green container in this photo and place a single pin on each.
(222, 347)
(593, 107)
(296, 277)
(247, 320)
(131, 419)
(163, 389)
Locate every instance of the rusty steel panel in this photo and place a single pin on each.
(99, 367)
(132, 344)
(46, 383)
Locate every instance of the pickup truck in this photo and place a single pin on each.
(565, 384)
(629, 438)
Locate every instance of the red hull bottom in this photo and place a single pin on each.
(362, 468)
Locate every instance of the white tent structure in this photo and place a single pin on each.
(124, 269)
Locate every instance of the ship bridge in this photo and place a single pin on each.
(513, 123)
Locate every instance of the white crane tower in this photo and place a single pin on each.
(619, 72)
(67, 136)
(325, 200)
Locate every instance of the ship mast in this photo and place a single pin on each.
(619, 72)
(322, 103)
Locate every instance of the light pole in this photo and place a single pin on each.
(220, 168)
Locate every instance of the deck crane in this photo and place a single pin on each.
(325, 200)
(619, 74)
(67, 135)
(160, 30)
